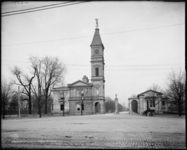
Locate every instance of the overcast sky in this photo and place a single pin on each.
(143, 41)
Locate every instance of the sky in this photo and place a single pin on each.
(144, 41)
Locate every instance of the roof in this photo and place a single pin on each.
(97, 39)
(64, 88)
(82, 84)
(141, 94)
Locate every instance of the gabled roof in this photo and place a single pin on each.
(80, 84)
(63, 88)
(142, 94)
(97, 39)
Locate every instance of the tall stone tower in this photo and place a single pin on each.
(97, 72)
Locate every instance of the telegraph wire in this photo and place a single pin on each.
(42, 9)
(25, 5)
(33, 8)
(151, 67)
(48, 41)
(91, 35)
(75, 65)
(143, 29)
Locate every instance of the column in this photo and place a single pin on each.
(116, 105)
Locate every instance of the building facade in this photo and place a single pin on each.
(82, 96)
(149, 100)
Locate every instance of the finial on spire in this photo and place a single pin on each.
(96, 22)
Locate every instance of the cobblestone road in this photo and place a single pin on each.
(104, 131)
(51, 139)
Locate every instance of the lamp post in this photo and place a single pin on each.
(82, 98)
(116, 104)
(62, 99)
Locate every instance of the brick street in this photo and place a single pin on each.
(95, 131)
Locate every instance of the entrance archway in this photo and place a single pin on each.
(97, 107)
(134, 106)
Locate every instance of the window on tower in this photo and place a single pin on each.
(96, 71)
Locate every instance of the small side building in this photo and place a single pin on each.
(148, 100)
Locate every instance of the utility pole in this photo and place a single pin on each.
(19, 101)
(63, 103)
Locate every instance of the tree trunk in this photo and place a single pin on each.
(30, 105)
(46, 103)
(39, 110)
(40, 113)
(38, 107)
(179, 109)
(46, 99)
(3, 113)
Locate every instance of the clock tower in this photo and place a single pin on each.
(97, 72)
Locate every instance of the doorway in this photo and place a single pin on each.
(97, 107)
(135, 106)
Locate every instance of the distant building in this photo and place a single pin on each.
(149, 100)
(82, 94)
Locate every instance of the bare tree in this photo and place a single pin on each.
(110, 105)
(25, 81)
(6, 93)
(37, 66)
(156, 90)
(155, 87)
(176, 89)
(107, 98)
(53, 73)
(49, 72)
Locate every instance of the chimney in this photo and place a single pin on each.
(85, 79)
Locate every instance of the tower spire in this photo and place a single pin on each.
(97, 26)
(97, 39)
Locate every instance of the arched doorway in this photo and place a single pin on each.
(134, 104)
(97, 107)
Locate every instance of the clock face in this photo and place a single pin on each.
(96, 51)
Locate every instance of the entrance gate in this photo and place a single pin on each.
(97, 107)
(135, 106)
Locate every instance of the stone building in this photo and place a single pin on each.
(83, 96)
(149, 100)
